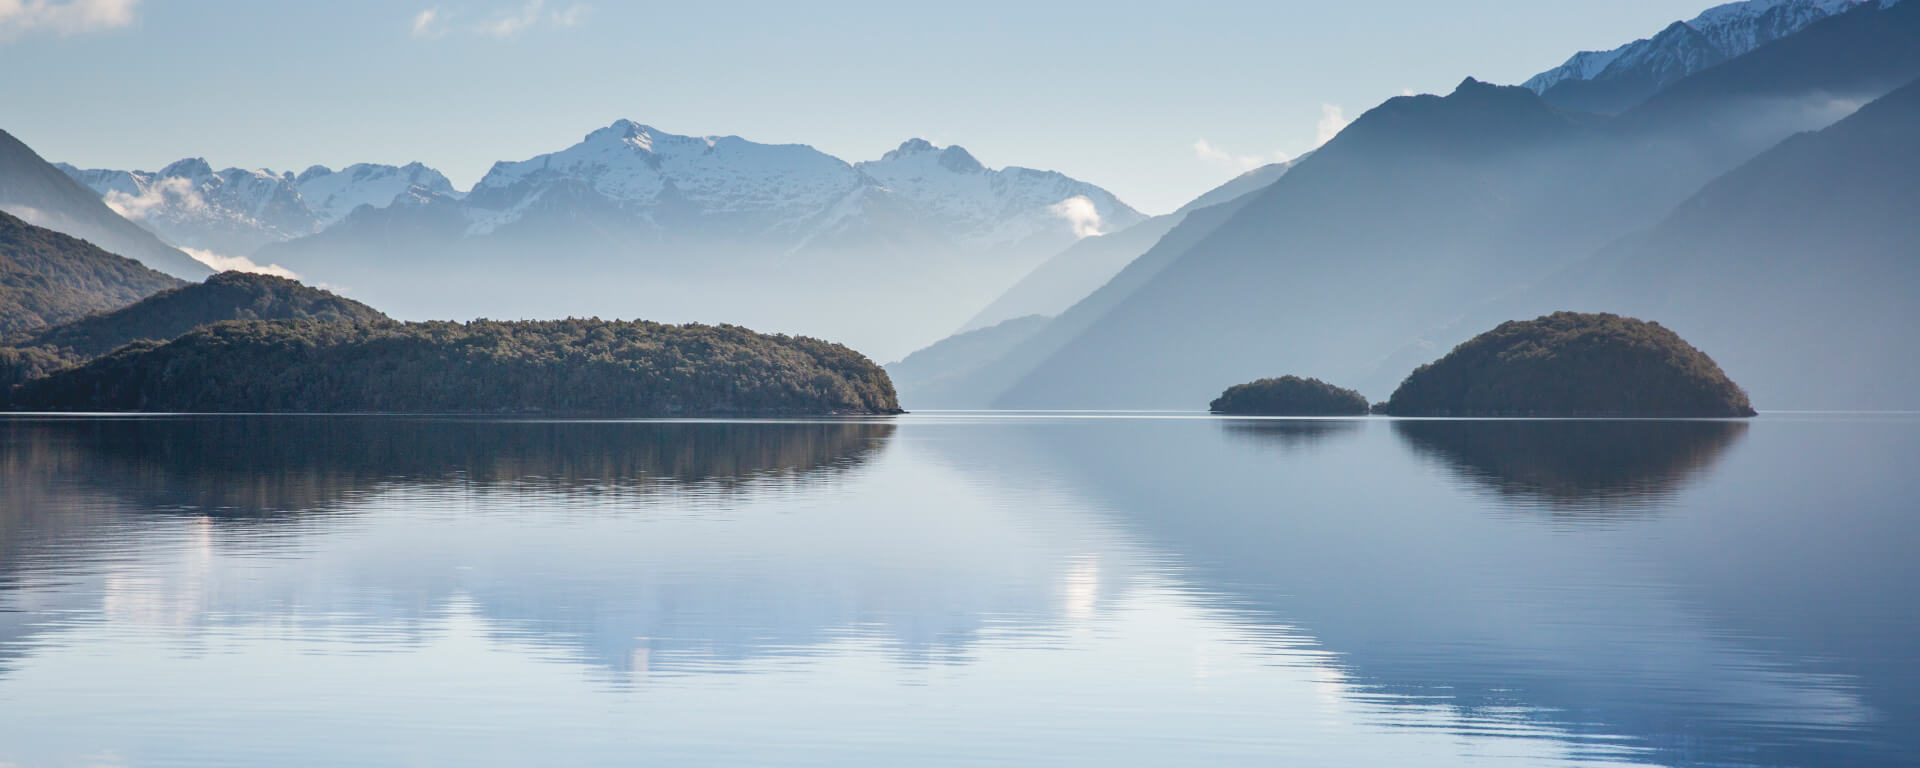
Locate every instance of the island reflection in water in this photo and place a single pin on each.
(1575, 466)
(1106, 591)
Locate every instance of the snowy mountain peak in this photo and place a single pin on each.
(331, 195)
(313, 171)
(909, 147)
(189, 168)
(1685, 47)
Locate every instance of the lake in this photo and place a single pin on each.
(948, 589)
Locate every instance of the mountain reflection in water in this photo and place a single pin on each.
(1083, 589)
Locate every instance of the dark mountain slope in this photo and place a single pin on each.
(170, 314)
(1421, 201)
(33, 189)
(47, 277)
(1800, 270)
(1428, 208)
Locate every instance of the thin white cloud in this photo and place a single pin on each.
(219, 263)
(1079, 212)
(20, 17)
(1219, 157)
(430, 24)
(435, 22)
(174, 192)
(571, 16)
(1333, 120)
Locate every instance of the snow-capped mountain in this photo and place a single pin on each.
(948, 186)
(233, 212)
(1611, 81)
(781, 237)
(331, 195)
(668, 181)
(673, 183)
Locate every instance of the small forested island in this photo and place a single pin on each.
(1289, 396)
(1570, 364)
(589, 367)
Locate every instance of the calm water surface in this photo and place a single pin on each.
(959, 589)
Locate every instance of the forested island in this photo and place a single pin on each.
(1289, 396)
(1570, 364)
(593, 367)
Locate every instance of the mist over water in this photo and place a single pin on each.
(1092, 590)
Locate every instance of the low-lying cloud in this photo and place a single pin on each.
(219, 263)
(174, 192)
(1333, 120)
(19, 17)
(1079, 212)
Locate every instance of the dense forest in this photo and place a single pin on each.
(171, 314)
(1289, 396)
(48, 278)
(1571, 364)
(569, 367)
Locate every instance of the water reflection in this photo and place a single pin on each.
(239, 466)
(1603, 467)
(641, 548)
(1290, 434)
(1085, 590)
(1654, 632)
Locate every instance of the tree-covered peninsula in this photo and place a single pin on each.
(1289, 396)
(1570, 364)
(596, 367)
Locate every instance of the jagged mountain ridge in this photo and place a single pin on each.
(666, 180)
(1612, 81)
(886, 255)
(234, 211)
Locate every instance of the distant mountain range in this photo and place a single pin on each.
(1613, 81)
(885, 255)
(1431, 215)
(235, 211)
(888, 254)
(34, 190)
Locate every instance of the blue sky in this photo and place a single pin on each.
(1155, 101)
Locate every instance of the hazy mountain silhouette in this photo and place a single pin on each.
(1423, 211)
(1083, 267)
(33, 189)
(1797, 270)
(932, 374)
